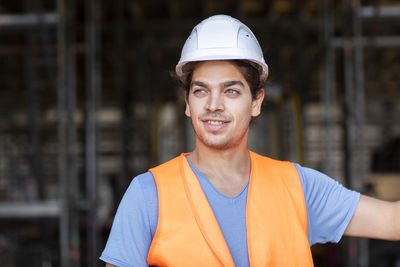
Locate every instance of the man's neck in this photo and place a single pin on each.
(228, 170)
(217, 158)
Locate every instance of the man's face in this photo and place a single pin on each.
(220, 105)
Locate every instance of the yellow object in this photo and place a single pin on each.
(188, 233)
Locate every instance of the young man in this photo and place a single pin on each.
(223, 205)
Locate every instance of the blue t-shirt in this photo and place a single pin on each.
(330, 206)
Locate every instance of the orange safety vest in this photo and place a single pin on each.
(188, 233)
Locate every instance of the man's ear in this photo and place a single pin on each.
(257, 103)
(187, 109)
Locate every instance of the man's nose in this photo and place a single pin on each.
(215, 102)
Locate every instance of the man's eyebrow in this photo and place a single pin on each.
(198, 83)
(230, 83)
(223, 84)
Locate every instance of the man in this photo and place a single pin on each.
(222, 205)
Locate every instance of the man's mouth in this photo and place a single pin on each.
(215, 122)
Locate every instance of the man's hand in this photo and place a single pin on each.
(110, 265)
(375, 218)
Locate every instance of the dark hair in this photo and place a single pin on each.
(247, 68)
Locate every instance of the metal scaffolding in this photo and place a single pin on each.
(59, 62)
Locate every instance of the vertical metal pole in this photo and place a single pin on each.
(327, 89)
(92, 87)
(360, 119)
(72, 137)
(359, 95)
(349, 115)
(34, 106)
(123, 94)
(62, 132)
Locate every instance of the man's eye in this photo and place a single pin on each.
(232, 92)
(198, 91)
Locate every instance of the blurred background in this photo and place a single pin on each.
(87, 103)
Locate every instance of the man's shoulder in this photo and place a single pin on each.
(143, 185)
(141, 182)
(143, 177)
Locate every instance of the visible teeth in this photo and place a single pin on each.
(215, 122)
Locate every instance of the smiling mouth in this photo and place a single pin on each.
(215, 122)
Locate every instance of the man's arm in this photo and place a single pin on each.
(375, 218)
(110, 265)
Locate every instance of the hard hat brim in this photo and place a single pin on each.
(263, 67)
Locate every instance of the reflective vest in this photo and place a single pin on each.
(188, 233)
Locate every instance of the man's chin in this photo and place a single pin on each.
(217, 144)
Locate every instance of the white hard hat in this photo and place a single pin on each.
(222, 37)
